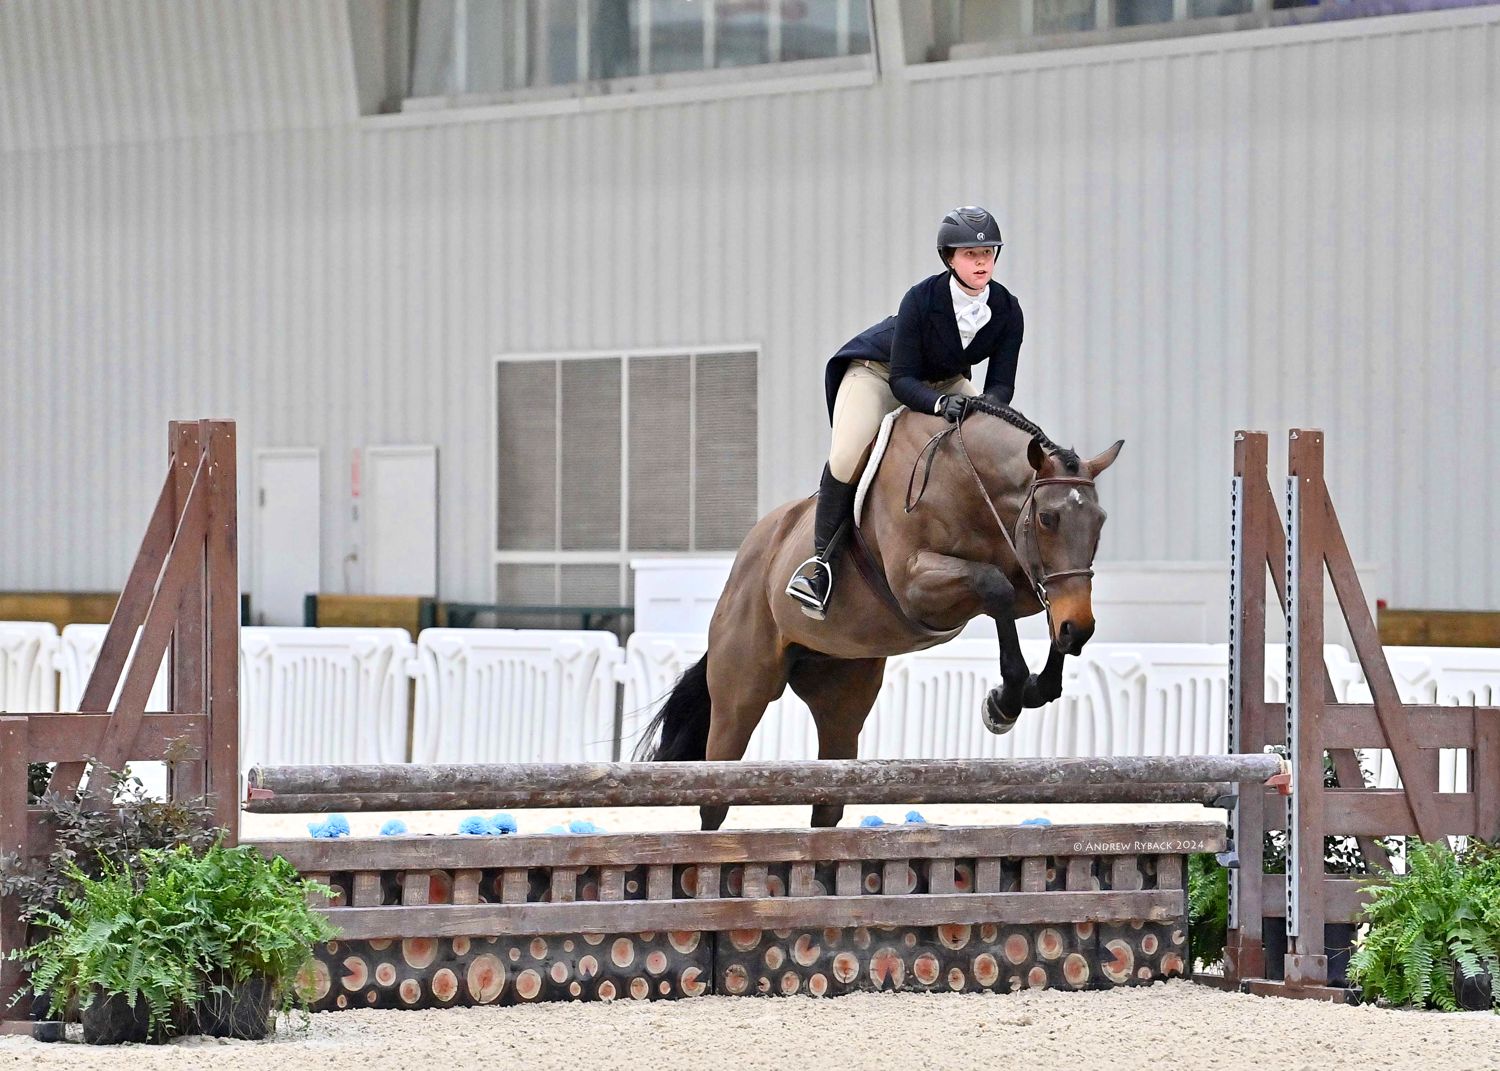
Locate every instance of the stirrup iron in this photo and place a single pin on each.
(809, 603)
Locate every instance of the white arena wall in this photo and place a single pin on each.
(1293, 226)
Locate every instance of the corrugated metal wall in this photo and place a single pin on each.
(1296, 226)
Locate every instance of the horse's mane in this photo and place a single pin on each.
(1017, 419)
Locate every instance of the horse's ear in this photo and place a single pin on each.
(1035, 454)
(1096, 465)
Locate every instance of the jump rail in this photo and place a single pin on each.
(292, 789)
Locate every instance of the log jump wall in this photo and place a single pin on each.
(436, 921)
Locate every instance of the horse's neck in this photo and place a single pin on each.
(998, 452)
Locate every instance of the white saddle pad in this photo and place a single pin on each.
(882, 439)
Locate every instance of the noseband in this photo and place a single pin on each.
(1036, 572)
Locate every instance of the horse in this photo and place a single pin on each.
(1005, 523)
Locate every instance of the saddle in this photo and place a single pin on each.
(859, 551)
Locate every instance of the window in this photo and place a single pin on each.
(601, 457)
(959, 29)
(483, 49)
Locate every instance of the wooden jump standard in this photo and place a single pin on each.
(182, 594)
(1295, 910)
(436, 921)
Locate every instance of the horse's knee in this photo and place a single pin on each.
(996, 592)
(712, 817)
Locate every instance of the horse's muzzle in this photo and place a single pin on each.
(1072, 635)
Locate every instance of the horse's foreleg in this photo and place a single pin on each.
(1042, 688)
(1003, 705)
(940, 582)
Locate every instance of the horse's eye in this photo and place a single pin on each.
(1048, 519)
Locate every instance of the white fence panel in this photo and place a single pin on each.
(1159, 699)
(324, 695)
(28, 674)
(514, 695)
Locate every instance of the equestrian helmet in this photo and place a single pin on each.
(967, 228)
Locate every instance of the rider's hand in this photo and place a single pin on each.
(951, 407)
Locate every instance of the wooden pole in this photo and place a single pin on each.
(1249, 722)
(1307, 522)
(289, 789)
(1207, 794)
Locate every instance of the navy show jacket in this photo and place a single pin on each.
(922, 345)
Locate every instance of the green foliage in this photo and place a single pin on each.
(86, 836)
(1444, 911)
(172, 925)
(113, 937)
(252, 913)
(1208, 908)
(37, 775)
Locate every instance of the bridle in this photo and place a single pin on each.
(1035, 571)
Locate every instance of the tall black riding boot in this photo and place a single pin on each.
(812, 583)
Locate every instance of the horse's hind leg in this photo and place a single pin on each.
(840, 693)
(741, 687)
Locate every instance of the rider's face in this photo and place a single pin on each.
(974, 267)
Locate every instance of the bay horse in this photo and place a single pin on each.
(985, 516)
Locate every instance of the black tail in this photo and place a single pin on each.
(683, 721)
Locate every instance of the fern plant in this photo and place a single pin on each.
(111, 938)
(170, 926)
(1442, 914)
(252, 915)
(1208, 908)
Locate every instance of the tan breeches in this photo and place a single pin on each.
(863, 400)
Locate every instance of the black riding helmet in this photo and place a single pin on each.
(966, 228)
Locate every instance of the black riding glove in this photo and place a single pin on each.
(951, 407)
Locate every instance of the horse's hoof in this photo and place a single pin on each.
(994, 717)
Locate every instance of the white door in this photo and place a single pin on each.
(288, 534)
(400, 520)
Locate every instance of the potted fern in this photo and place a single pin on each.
(256, 934)
(1434, 937)
(85, 838)
(174, 940)
(120, 954)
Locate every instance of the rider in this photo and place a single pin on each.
(920, 358)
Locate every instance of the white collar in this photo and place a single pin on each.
(962, 298)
